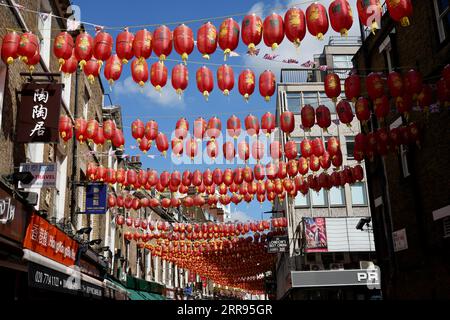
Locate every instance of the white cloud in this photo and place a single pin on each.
(239, 216)
(167, 97)
(308, 48)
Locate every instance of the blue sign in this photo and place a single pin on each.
(96, 198)
(188, 291)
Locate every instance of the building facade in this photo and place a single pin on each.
(338, 209)
(409, 190)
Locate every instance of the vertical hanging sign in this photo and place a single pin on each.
(38, 113)
(96, 198)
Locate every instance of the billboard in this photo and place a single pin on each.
(315, 235)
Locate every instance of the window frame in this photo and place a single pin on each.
(341, 205)
(325, 197)
(308, 201)
(439, 21)
(364, 192)
(350, 139)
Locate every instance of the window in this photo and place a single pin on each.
(443, 18)
(86, 103)
(350, 143)
(301, 200)
(318, 199)
(44, 27)
(327, 102)
(293, 101)
(310, 98)
(359, 194)
(3, 69)
(337, 196)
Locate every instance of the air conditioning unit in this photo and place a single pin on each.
(316, 267)
(336, 266)
(367, 265)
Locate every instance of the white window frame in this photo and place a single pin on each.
(302, 206)
(364, 193)
(350, 139)
(335, 205)
(439, 18)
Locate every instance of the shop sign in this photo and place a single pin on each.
(38, 113)
(7, 210)
(47, 240)
(13, 217)
(49, 279)
(278, 244)
(44, 175)
(315, 235)
(96, 198)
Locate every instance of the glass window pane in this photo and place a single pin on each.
(327, 102)
(310, 98)
(318, 198)
(442, 4)
(293, 102)
(337, 197)
(301, 200)
(358, 194)
(350, 142)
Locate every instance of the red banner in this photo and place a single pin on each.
(49, 241)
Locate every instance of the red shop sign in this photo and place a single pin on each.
(47, 240)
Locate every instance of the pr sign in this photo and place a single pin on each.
(38, 114)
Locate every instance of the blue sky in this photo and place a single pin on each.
(167, 108)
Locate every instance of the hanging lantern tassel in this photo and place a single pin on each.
(320, 36)
(206, 95)
(82, 64)
(61, 63)
(226, 53)
(252, 49)
(344, 33)
(184, 57)
(374, 27)
(246, 97)
(162, 58)
(274, 46)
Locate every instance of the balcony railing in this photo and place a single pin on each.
(345, 41)
(308, 75)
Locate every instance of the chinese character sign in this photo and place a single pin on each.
(96, 198)
(316, 235)
(39, 111)
(47, 240)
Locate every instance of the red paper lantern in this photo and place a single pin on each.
(341, 17)
(103, 44)
(205, 81)
(162, 143)
(212, 149)
(228, 36)
(381, 107)
(158, 76)
(246, 83)
(191, 148)
(124, 46)
(228, 177)
(425, 98)
(144, 145)
(382, 138)
(352, 86)
(118, 139)
(443, 92)
(248, 177)
(99, 137)
(306, 148)
(317, 20)
(362, 110)
(200, 127)
(228, 150)
(325, 161)
(225, 79)
(234, 126)
(375, 85)
(268, 123)
(142, 44)
(314, 163)
(295, 25)
(292, 167)
(337, 159)
(28, 47)
(33, 61)
(243, 150)
(84, 47)
(369, 12)
(400, 11)
(323, 117)
(252, 31)
(287, 122)
(267, 84)
(238, 176)
(91, 129)
(258, 150)
(62, 46)
(183, 41)
(207, 39)
(404, 104)
(345, 113)
(252, 125)
(197, 178)
(181, 128)
(177, 146)
(273, 30)
(333, 146)
(308, 117)
(151, 130)
(290, 150)
(214, 128)
(91, 171)
(207, 177)
(110, 176)
(275, 150)
(332, 86)
(395, 84)
(303, 166)
(65, 128)
(162, 42)
(70, 65)
(91, 70)
(413, 83)
(259, 172)
(180, 77)
(10, 47)
(113, 69)
(217, 176)
(120, 220)
(120, 176)
(317, 147)
(137, 129)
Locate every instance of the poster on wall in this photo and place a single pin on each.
(315, 235)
